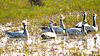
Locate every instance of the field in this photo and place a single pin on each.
(13, 11)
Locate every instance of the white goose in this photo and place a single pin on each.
(77, 31)
(18, 34)
(56, 28)
(50, 34)
(94, 28)
(79, 25)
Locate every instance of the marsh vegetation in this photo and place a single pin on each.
(35, 45)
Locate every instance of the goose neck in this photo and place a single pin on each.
(94, 22)
(84, 17)
(61, 24)
(83, 30)
(25, 30)
(24, 26)
(51, 28)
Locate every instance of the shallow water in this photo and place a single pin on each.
(63, 45)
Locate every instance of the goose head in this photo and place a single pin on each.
(24, 22)
(84, 14)
(61, 17)
(94, 20)
(94, 15)
(51, 23)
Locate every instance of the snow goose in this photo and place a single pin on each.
(19, 34)
(56, 28)
(79, 25)
(77, 31)
(93, 28)
(50, 34)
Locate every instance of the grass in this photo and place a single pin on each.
(15, 11)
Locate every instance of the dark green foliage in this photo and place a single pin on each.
(36, 2)
(16, 10)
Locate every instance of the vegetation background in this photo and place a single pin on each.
(15, 10)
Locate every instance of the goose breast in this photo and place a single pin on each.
(15, 34)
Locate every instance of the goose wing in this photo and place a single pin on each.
(73, 31)
(15, 34)
(91, 28)
(58, 29)
(46, 29)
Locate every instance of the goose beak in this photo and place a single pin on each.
(24, 21)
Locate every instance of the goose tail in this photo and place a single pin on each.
(6, 32)
(43, 36)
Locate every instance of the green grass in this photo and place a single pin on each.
(16, 10)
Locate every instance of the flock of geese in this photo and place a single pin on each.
(50, 32)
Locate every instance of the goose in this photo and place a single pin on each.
(56, 28)
(93, 28)
(19, 34)
(50, 34)
(79, 25)
(77, 31)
